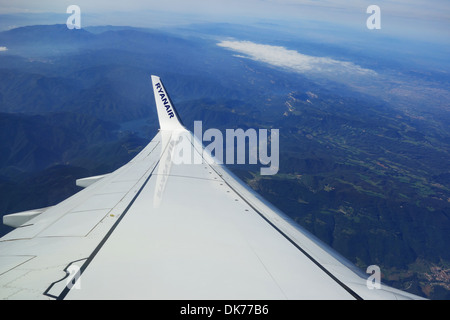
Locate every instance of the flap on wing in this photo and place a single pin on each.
(86, 182)
(167, 115)
(15, 220)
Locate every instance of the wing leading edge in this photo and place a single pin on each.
(160, 229)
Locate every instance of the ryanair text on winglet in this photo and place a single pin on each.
(165, 100)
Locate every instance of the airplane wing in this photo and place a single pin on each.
(158, 228)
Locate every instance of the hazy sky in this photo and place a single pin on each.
(417, 9)
(427, 18)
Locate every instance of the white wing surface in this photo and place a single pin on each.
(160, 229)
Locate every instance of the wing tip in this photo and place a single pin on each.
(155, 78)
(167, 114)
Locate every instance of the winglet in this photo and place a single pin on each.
(167, 115)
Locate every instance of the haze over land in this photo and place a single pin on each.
(363, 119)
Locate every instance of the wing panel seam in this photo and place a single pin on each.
(106, 237)
(318, 264)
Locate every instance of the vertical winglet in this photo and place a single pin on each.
(167, 115)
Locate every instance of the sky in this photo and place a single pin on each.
(425, 18)
(415, 19)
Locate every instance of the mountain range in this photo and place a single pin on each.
(366, 173)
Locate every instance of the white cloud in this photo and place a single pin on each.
(294, 60)
(3, 48)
